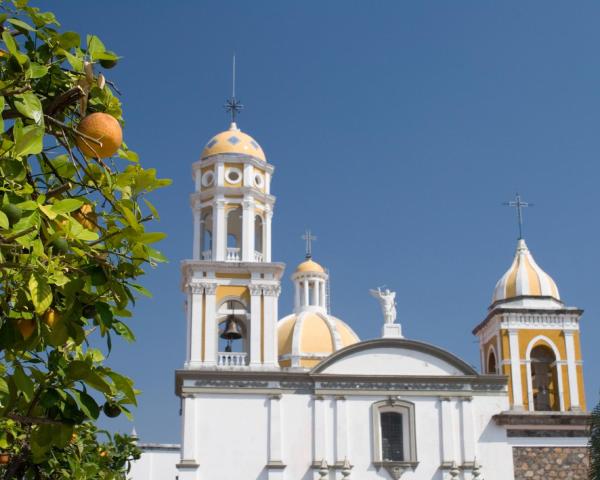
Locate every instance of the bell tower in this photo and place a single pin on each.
(231, 284)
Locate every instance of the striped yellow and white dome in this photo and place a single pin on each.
(306, 338)
(233, 141)
(524, 278)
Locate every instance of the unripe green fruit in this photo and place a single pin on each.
(108, 64)
(60, 245)
(89, 311)
(98, 276)
(111, 410)
(13, 213)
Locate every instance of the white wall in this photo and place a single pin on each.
(156, 463)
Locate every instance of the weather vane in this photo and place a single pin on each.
(519, 204)
(233, 105)
(309, 238)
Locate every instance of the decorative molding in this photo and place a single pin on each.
(275, 465)
(396, 469)
(209, 288)
(231, 383)
(255, 289)
(271, 290)
(195, 288)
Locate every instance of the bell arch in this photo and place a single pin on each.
(492, 361)
(233, 332)
(544, 375)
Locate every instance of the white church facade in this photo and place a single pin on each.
(302, 397)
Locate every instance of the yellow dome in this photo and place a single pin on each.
(309, 266)
(306, 338)
(524, 278)
(233, 141)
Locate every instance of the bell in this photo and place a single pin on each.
(232, 330)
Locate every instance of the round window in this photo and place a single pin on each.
(208, 178)
(233, 175)
(259, 180)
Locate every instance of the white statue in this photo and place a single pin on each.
(387, 300)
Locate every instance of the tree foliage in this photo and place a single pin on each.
(595, 444)
(73, 242)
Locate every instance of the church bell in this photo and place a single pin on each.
(232, 329)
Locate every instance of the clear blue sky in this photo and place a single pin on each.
(397, 130)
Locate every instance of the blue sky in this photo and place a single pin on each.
(397, 130)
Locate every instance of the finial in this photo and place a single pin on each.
(518, 204)
(233, 105)
(308, 237)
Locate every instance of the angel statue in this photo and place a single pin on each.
(387, 300)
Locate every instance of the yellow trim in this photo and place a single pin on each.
(285, 334)
(243, 276)
(241, 292)
(511, 281)
(535, 287)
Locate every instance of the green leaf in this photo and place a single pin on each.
(96, 381)
(130, 217)
(67, 205)
(4, 221)
(69, 40)
(94, 47)
(10, 43)
(151, 237)
(78, 370)
(38, 71)
(1, 109)
(124, 385)
(30, 106)
(41, 293)
(23, 382)
(87, 404)
(20, 24)
(47, 210)
(31, 142)
(152, 209)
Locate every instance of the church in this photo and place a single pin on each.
(299, 396)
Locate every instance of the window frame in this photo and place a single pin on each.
(409, 439)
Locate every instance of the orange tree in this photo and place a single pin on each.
(73, 242)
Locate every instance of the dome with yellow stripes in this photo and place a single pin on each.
(524, 278)
(233, 141)
(306, 338)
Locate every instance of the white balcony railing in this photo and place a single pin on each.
(258, 257)
(231, 359)
(233, 254)
(207, 255)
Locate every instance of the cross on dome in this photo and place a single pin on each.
(518, 205)
(309, 238)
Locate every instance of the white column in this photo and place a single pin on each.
(296, 296)
(572, 370)
(248, 230)
(267, 183)
(275, 437)
(468, 430)
(341, 430)
(255, 324)
(317, 293)
(189, 426)
(530, 403)
(197, 254)
(196, 339)
(448, 455)
(323, 293)
(270, 297)
(248, 175)
(219, 231)
(220, 174)
(188, 330)
(320, 430)
(211, 330)
(515, 369)
(267, 238)
(306, 293)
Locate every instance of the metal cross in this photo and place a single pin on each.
(518, 204)
(233, 105)
(308, 237)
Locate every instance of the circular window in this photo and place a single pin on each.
(233, 175)
(208, 178)
(259, 180)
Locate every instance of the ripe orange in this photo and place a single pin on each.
(26, 326)
(4, 458)
(103, 127)
(51, 317)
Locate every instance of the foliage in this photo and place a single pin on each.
(73, 241)
(595, 444)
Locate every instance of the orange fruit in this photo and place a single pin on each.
(103, 453)
(51, 317)
(4, 458)
(103, 127)
(26, 326)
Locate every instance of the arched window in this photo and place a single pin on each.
(394, 435)
(544, 380)
(234, 334)
(491, 363)
(234, 234)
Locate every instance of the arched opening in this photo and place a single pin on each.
(258, 238)
(206, 237)
(234, 334)
(234, 234)
(544, 379)
(491, 363)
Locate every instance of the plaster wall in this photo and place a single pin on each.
(155, 464)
